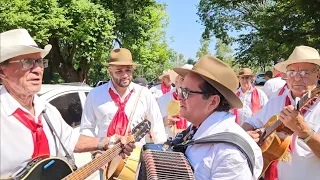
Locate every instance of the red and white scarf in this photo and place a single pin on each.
(255, 103)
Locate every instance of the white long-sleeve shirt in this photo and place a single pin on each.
(99, 110)
(272, 86)
(16, 139)
(304, 164)
(246, 111)
(222, 161)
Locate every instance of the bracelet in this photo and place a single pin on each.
(100, 144)
(93, 155)
(305, 140)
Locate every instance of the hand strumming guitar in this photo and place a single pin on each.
(293, 120)
(255, 134)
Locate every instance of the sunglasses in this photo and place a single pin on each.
(185, 92)
(30, 63)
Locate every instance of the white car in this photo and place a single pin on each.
(69, 99)
(259, 79)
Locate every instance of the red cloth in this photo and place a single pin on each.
(40, 141)
(255, 103)
(278, 75)
(120, 120)
(282, 89)
(182, 123)
(165, 89)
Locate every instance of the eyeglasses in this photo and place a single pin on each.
(292, 73)
(30, 63)
(185, 92)
(245, 77)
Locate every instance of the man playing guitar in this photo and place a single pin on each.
(302, 69)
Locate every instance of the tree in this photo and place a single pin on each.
(271, 28)
(204, 49)
(191, 61)
(83, 32)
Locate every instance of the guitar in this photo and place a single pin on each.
(125, 169)
(43, 168)
(276, 138)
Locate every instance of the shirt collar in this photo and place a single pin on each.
(250, 90)
(11, 104)
(211, 122)
(130, 87)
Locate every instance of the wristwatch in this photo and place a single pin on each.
(305, 140)
(100, 144)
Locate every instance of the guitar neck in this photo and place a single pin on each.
(88, 169)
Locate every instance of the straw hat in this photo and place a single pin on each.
(173, 75)
(120, 56)
(300, 54)
(166, 72)
(18, 42)
(245, 72)
(220, 75)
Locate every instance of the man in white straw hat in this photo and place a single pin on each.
(253, 99)
(303, 156)
(206, 97)
(169, 121)
(165, 86)
(116, 107)
(25, 133)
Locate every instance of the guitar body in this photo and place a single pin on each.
(274, 146)
(125, 168)
(42, 168)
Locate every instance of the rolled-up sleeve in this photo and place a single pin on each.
(88, 119)
(153, 114)
(257, 119)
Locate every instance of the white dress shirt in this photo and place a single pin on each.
(272, 86)
(156, 91)
(99, 110)
(163, 102)
(246, 111)
(304, 164)
(16, 139)
(222, 161)
(286, 89)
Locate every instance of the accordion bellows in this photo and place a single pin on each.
(164, 165)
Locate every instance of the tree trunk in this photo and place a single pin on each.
(64, 66)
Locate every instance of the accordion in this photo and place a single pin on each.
(156, 164)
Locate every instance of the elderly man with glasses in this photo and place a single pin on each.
(28, 124)
(303, 155)
(253, 99)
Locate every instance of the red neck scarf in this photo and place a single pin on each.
(255, 103)
(120, 120)
(282, 89)
(182, 123)
(40, 141)
(278, 75)
(165, 89)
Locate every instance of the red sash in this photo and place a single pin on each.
(278, 75)
(255, 103)
(40, 141)
(182, 123)
(165, 89)
(120, 120)
(282, 89)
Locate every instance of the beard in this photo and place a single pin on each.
(122, 82)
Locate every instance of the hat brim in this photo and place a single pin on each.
(282, 66)
(18, 50)
(120, 64)
(230, 96)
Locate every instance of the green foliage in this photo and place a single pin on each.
(204, 48)
(83, 32)
(271, 29)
